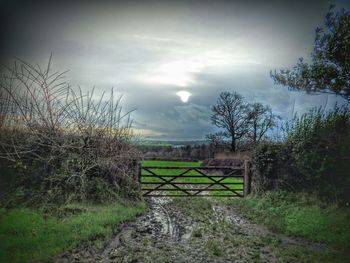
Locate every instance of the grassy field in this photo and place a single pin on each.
(299, 214)
(233, 183)
(28, 235)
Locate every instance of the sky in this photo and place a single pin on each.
(171, 59)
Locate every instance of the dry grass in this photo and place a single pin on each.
(76, 147)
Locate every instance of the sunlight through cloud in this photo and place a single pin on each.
(182, 72)
(184, 95)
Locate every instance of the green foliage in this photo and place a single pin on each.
(320, 145)
(314, 156)
(273, 168)
(29, 235)
(300, 215)
(329, 71)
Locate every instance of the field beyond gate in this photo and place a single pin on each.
(175, 179)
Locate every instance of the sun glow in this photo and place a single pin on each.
(184, 95)
(182, 73)
(177, 73)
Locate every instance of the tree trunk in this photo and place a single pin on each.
(233, 144)
(254, 132)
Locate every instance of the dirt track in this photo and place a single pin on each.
(192, 230)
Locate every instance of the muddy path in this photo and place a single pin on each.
(193, 230)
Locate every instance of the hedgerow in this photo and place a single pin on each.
(60, 144)
(314, 156)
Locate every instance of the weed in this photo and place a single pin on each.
(214, 247)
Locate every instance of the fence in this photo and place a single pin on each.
(223, 181)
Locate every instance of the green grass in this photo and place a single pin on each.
(196, 208)
(301, 215)
(28, 235)
(188, 180)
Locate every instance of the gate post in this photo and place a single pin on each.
(139, 172)
(247, 178)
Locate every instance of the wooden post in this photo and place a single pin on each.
(139, 172)
(247, 177)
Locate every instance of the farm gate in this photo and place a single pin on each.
(176, 181)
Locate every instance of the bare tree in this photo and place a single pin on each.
(231, 113)
(261, 120)
(217, 139)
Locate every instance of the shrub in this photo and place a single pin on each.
(320, 144)
(64, 145)
(273, 168)
(314, 156)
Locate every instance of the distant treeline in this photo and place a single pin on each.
(193, 152)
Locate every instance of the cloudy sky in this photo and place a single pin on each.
(150, 50)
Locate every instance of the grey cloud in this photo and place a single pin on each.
(194, 114)
(120, 43)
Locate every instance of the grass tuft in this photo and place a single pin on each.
(300, 215)
(29, 235)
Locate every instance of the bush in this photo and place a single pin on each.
(320, 144)
(63, 145)
(314, 157)
(273, 168)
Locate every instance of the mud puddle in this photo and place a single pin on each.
(185, 230)
(160, 226)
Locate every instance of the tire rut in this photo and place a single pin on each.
(167, 233)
